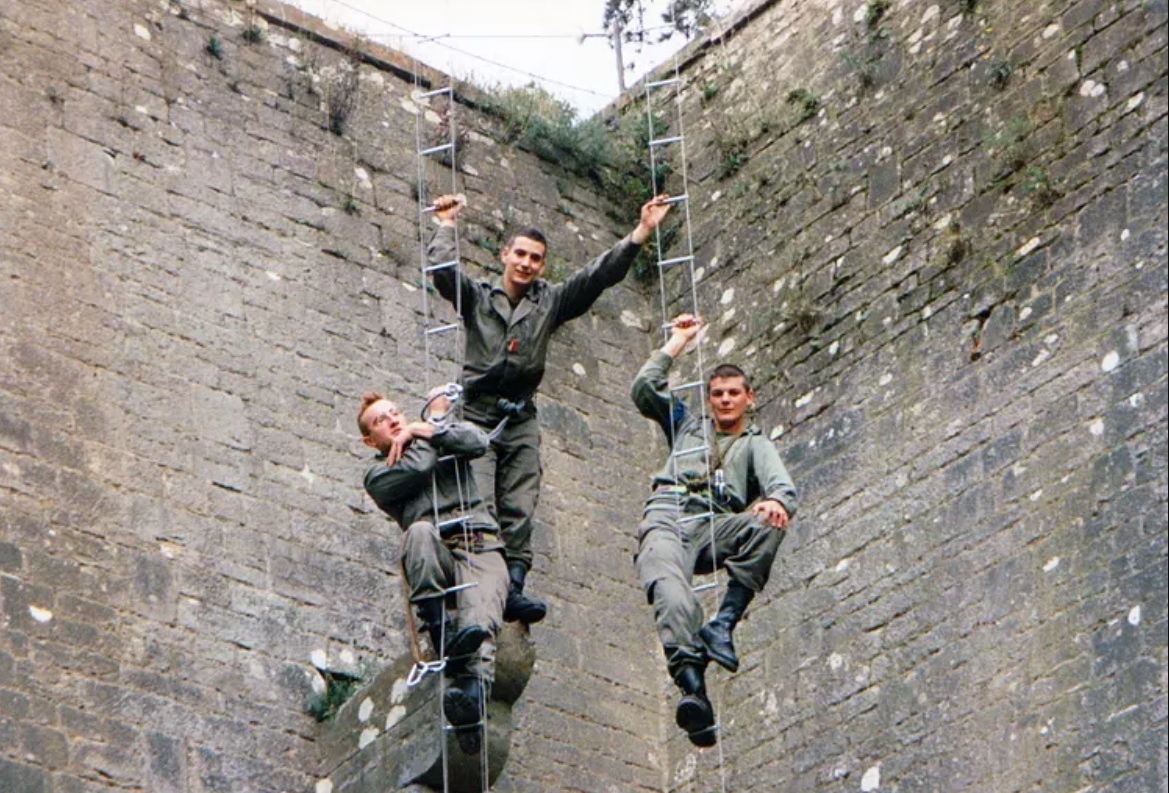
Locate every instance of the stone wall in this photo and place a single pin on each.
(937, 233)
(200, 277)
(934, 231)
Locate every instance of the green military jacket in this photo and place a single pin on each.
(751, 466)
(408, 493)
(506, 347)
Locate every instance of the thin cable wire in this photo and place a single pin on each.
(425, 38)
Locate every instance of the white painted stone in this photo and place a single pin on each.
(398, 691)
(1096, 427)
(320, 659)
(318, 684)
(272, 276)
(1052, 563)
(1087, 87)
(1025, 312)
(1041, 358)
(363, 177)
(1136, 400)
(1028, 246)
(1135, 101)
(727, 345)
(324, 786)
(842, 565)
(805, 399)
(776, 432)
(365, 710)
(368, 736)
(727, 296)
(1134, 616)
(886, 379)
(930, 14)
(1124, 235)
(141, 31)
(1110, 361)
(927, 312)
(834, 348)
(579, 370)
(1051, 30)
(1038, 494)
(871, 779)
(39, 614)
(835, 661)
(396, 714)
(701, 271)
(892, 255)
(629, 319)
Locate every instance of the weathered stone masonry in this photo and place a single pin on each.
(935, 231)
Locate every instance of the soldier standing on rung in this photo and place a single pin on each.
(508, 327)
(451, 541)
(731, 515)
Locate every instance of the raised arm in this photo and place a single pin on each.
(651, 388)
(442, 249)
(577, 294)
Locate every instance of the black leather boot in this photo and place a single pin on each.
(716, 634)
(520, 608)
(464, 705)
(453, 645)
(695, 714)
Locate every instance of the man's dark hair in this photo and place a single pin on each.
(729, 370)
(535, 235)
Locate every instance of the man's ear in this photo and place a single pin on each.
(368, 441)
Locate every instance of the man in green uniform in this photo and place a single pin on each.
(730, 515)
(420, 480)
(508, 326)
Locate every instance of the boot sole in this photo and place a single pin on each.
(693, 715)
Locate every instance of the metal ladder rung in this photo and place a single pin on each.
(691, 451)
(442, 524)
(458, 588)
(436, 149)
(678, 199)
(442, 329)
(687, 386)
(662, 83)
(665, 141)
(696, 518)
(435, 92)
(430, 268)
(675, 260)
(704, 587)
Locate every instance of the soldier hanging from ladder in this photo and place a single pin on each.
(451, 550)
(508, 326)
(722, 500)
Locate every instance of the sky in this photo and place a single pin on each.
(509, 42)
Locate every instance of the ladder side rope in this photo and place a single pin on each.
(709, 439)
(432, 328)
